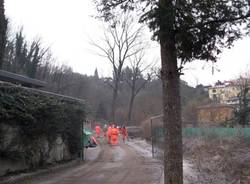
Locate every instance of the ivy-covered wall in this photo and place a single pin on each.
(32, 123)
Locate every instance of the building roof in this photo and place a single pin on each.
(20, 79)
(215, 106)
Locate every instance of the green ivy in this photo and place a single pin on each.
(39, 114)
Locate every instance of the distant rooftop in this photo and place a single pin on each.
(223, 84)
(215, 106)
(20, 79)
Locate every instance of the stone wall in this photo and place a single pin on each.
(37, 129)
(40, 151)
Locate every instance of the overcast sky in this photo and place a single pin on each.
(66, 27)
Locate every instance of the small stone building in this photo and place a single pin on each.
(215, 113)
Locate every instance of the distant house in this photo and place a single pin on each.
(224, 93)
(215, 113)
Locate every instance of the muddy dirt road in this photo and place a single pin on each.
(115, 165)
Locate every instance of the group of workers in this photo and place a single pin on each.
(112, 133)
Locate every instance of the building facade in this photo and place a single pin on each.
(226, 93)
(214, 114)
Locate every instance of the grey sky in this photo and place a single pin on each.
(67, 25)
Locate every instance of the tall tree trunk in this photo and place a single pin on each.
(114, 101)
(131, 104)
(172, 116)
(3, 28)
(173, 158)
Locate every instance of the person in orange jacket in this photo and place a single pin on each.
(109, 134)
(97, 131)
(124, 133)
(114, 135)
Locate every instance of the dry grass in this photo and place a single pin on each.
(219, 161)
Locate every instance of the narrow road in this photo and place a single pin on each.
(114, 165)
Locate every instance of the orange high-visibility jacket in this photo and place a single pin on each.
(97, 129)
(109, 131)
(114, 136)
(114, 132)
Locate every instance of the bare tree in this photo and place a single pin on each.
(133, 76)
(243, 84)
(3, 29)
(121, 41)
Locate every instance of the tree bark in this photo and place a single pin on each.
(131, 103)
(172, 115)
(3, 28)
(114, 101)
(173, 158)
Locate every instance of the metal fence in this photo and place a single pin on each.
(158, 132)
(157, 136)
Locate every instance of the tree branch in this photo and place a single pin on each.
(223, 20)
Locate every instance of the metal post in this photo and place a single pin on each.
(82, 141)
(152, 141)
